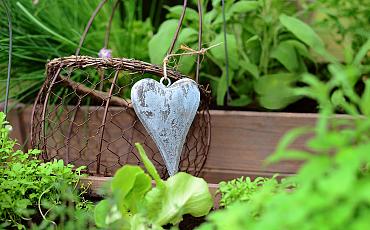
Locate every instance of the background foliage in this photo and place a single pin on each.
(271, 43)
(32, 191)
(331, 189)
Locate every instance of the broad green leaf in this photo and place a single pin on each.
(287, 56)
(222, 87)
(182, 194)
(160, 42)
(244, 6)
(219, 51)
(243, 100)
(105, 214)
(138, 222)
(149, 165)
(130, 184)
(250, 68)
(187, 36)
(302, 31)
(101, 212)
(210, 16)
(276, 90)
(216, 3)
(362, 53)
(365, 100)
(175, 12)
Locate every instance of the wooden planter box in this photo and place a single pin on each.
(240, 141)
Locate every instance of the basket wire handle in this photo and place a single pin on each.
(109, 25)
(200, 31)
(228, 98)
(88, 26)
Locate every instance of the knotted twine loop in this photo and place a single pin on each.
(191, 52)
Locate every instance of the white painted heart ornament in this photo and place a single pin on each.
(167, 113)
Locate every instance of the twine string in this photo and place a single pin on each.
(166, 59)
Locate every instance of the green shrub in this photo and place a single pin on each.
(241, 189)
(332, 188)
(31, 190)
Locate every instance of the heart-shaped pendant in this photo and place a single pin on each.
(166, 112)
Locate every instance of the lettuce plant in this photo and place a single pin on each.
(134, 203)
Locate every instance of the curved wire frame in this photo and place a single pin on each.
(102, 135)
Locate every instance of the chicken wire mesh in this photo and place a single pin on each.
(84, 116)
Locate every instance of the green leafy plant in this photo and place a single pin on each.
(31, 189)
(332, 187)
(241, 189)
(39, 35)
(135, 204)
(265, 55)
(341, 22)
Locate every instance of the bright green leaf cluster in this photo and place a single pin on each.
(29, 187)
(332, 188)
(135, 204)
(241, 189)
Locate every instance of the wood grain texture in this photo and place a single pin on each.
(240, 141)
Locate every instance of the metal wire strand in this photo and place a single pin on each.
(88, 26)
(200, 31)
(9, 16)
(226, 52)
(175, 36)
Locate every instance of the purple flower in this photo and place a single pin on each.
(105, 53)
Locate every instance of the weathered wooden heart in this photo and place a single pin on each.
(166, 112)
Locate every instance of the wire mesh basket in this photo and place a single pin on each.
(83, 115)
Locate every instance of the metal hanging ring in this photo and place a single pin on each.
(168, 81)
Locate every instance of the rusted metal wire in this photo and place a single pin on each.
(200, 32)
(102, 134)
(175, 36)
(109, 25)
(83, 115)
(88, 26)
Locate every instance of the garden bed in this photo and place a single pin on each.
(240, 141)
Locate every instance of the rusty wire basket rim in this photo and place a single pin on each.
(128, 64)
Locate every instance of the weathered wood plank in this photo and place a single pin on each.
(240, 141)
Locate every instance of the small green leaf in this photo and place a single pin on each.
(250, 68)
(302, 31)
(175, 12)
(101, 212)
(149, 165)
(276, 90)
(130, 184)
(286, 55)
(243, 100)
(222, 87)
(160, 42)
(362, 53)
(218, 52)
(365, 99)
(244, 6)
(182, 194)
